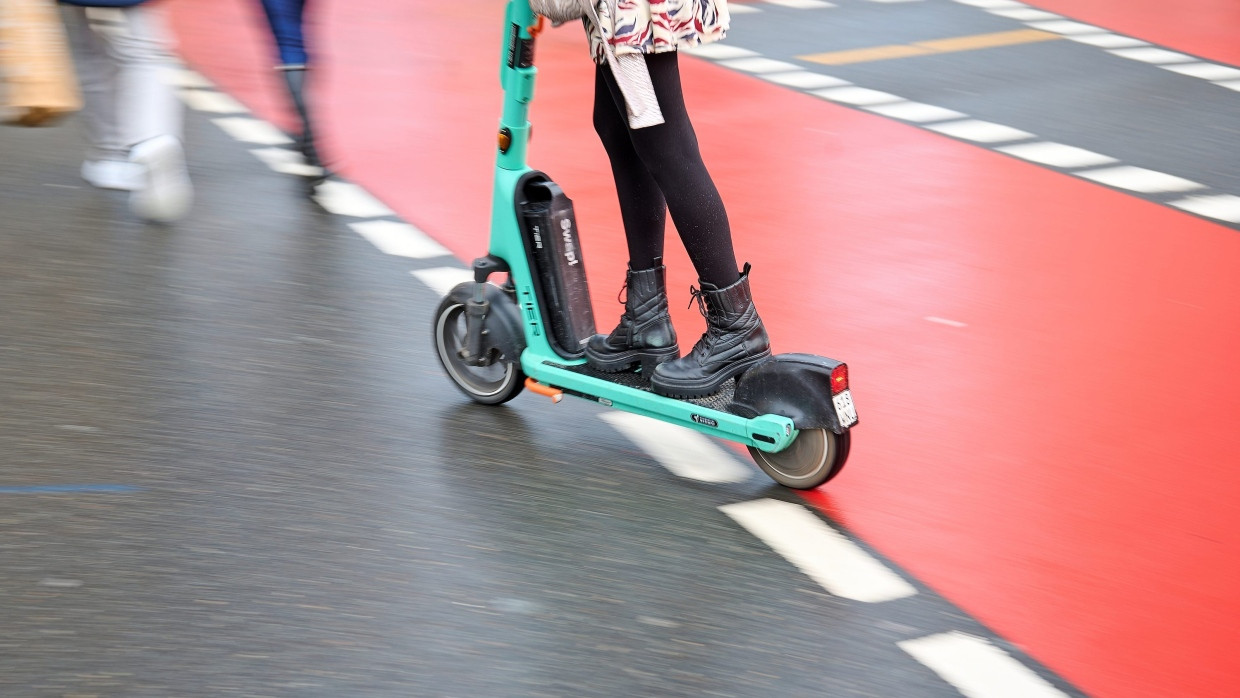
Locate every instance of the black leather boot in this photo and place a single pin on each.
(645, 335)
(735, 340)
(295, 78)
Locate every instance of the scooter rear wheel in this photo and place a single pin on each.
(814, 457)
(497, 382)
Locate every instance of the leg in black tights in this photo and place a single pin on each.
(659, 169)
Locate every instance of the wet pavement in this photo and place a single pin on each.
(232, 465)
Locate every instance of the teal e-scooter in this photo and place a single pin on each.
(793, 411)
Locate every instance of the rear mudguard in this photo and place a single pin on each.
(796, 386)
(503, 319)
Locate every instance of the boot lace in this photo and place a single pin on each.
(713, 332)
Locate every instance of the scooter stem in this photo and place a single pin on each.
(516, 77)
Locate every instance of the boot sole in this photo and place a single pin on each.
(627, 362)
(686, 390)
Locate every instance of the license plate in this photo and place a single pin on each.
(845, 411)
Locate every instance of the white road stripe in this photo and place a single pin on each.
(248, 130)
(1152, 54)
(1026, 14)
(1139, 179)
(1223, 207)
(857, 96)
(758, 64)
(1205, 71)
(916, 112)
(992, 4)
(805, 80)
(1064, 26)
(399, 239)
(443, 279)
(826, 556)
(1057, 154)
(980, 131)
(211, 101)
(977, 668)
(1231, 85)
(683, 451)
(286, 161)
(1106, 40)
(719, 52)
(347, 199)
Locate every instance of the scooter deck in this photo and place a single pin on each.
(721, 400)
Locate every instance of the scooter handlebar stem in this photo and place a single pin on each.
(516, 76)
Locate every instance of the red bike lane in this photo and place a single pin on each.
(1056, 458)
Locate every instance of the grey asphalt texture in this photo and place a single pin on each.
(230, 464)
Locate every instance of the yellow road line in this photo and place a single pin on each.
(923, 48)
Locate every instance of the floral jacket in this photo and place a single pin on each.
(656, 26)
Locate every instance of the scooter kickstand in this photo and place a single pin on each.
(535, 387)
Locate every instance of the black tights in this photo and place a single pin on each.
(659, 169)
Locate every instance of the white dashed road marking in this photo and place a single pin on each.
(805, 80)
(980, 131)
(347, 199)
(977, 668)
(1057, 154)
(400, 239)
(248, 130)
(681, 450)
(915, 112)
(758, 64)
(945, 321)
(1107, 40)
(826, 556)
(211, 101)
(443, 279)
(857, 96)
(1224, 207)
(286, 161)
(1139, 179)
(1151, 54)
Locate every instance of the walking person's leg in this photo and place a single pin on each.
(148, 111)
(286, 18)
(107, 163)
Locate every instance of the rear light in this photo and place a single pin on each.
(839, 379)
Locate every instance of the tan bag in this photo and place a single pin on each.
(37, 79)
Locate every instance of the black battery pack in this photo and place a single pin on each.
(550, 230)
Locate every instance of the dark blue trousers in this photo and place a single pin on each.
(285, 18)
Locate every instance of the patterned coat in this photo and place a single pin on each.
(656, 26)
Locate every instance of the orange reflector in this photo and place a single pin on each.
(505, 140)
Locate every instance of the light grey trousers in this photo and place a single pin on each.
(124, 67)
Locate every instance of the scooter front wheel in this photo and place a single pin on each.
(814, 457)
(496, 381)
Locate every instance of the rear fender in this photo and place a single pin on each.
(796, 386)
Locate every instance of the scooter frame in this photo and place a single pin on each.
(494, 314)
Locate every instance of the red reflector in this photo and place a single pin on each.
(839, 379)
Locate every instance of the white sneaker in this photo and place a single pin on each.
(112, 174)
(167, 192)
